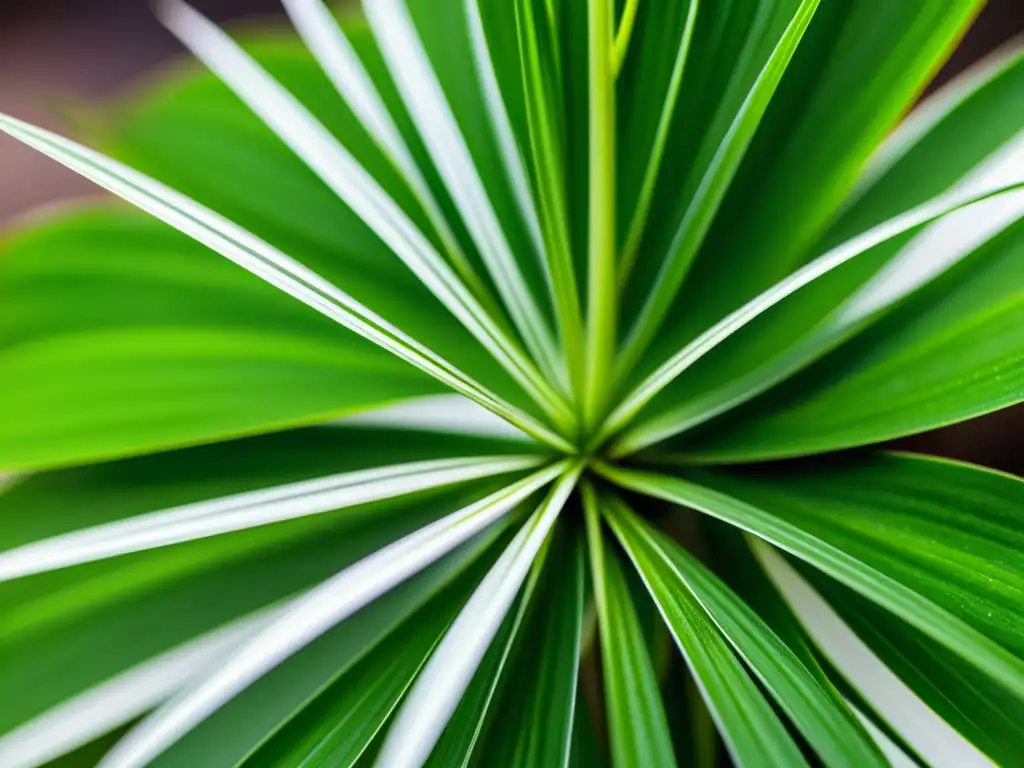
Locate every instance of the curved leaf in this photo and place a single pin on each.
(916, 725)
(974, 705)
(936, 543)
(123, 336)
(858, 70)
(299, 128)
(406, 50)
(262, 259)
(951, 352)
(776, 32)
(192, 134)
(998, 189)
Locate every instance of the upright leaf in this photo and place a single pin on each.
(639, 731)
(857, 71)
(766, 55)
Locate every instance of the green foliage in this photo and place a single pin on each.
(465, 466)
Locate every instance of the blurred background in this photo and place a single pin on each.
(59, 52)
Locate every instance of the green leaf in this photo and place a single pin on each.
(338, 725)
(68, 633)
(766, 55)
(305, 135)
(534, 721)
(884, 700)
(585, 751)
(928, 155)
(226, 514)
(333, 49)
(262, 259)
(978, 708)
(319, 611)
(639, 731)
(433, 699)
(653, 74)
(194, 135)
(936, 543)
(815, 708)
(529, 71)
(998, 189)
(939, 143)
(123, 336)
(951, 352)
(463, 732)
(752, 730)
(602, 304)
(246, 722)
(425, 47)
(858, 70)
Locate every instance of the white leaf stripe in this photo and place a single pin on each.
(327, 42)
(410, 67)
(948, 241)
(440, 414)
(316, 612)
(917, 723)
(638, 437)
(326, 157)
(116, 702)
(248, 510)
(515, 164)
(268, 263)
(437, 691)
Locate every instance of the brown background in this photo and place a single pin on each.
(53, 51)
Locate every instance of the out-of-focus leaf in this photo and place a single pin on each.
(194, 135)
(123, 336)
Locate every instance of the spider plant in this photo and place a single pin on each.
(477, 460)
